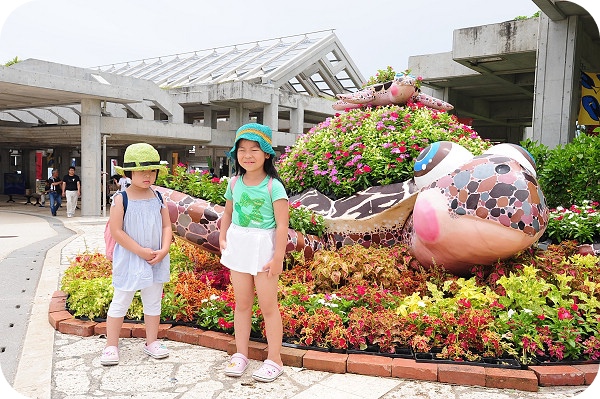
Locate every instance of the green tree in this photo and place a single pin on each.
(12, 62)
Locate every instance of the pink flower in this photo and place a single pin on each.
(225, 324)
(464, 303)
(564, 314)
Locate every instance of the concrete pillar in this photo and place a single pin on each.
(210, 117)
(238, 116)
(271, 113)
(556, 82)
(297, 118)
(91, 156)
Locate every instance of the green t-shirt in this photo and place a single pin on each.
(253, 205)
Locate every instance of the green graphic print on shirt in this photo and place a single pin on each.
(254, 214)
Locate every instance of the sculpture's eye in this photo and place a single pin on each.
(438, 160)
(516, 152)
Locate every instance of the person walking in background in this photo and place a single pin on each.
(54, 188)
(123, 182)
(140, 225)
(254, 229)
(71, 187)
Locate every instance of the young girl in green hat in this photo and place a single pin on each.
(140, 225)
(253, 237)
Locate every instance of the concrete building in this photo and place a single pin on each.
(511, 80)
(187, 105)
(518, 79)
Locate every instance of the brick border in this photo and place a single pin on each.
(491, 377)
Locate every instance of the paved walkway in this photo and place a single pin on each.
(59, 366)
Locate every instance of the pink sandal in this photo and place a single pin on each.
(268, 372)
(237, 365)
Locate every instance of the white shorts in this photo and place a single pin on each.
(248, 249)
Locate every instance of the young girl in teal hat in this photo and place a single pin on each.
(253, 237)
(141, 228)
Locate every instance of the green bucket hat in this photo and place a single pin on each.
(141, 156)
(255, 132)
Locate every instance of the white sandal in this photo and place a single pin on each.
(268, 372)
(237, 365)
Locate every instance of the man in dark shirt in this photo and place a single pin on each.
(54, 188)
(71, 190)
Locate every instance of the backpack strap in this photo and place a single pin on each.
(126, 200)
(269, 185)
(233, 181)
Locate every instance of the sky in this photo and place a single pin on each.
(375, 33)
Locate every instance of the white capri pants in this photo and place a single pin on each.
(151, 299)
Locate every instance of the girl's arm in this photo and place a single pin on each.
(282, 220)
(167, 237)
(225, 223)
(117, 212)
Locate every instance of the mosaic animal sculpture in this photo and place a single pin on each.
(457, 211)
(399, 91)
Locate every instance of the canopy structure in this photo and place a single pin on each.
(312, 63)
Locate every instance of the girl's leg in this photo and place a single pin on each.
(151, 299)
(113, 330)
(151, 323)
(116, 313)
(266, 290)
(243, 288)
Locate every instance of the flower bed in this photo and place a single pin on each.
(539, 307)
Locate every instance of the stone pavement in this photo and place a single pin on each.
(62, 366)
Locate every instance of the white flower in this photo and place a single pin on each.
(528, 311)
(213, 297)
(421, 304)
(510, 313)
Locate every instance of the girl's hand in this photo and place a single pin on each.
(148, 254)
(222, 244)
(273, 268)
(159, 255)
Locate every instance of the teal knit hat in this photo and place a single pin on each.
(255, 132)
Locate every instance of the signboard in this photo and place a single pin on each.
(589, 108)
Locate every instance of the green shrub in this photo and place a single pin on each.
(570, 174)
(538, 151)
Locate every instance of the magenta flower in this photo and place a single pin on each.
(564, 314)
